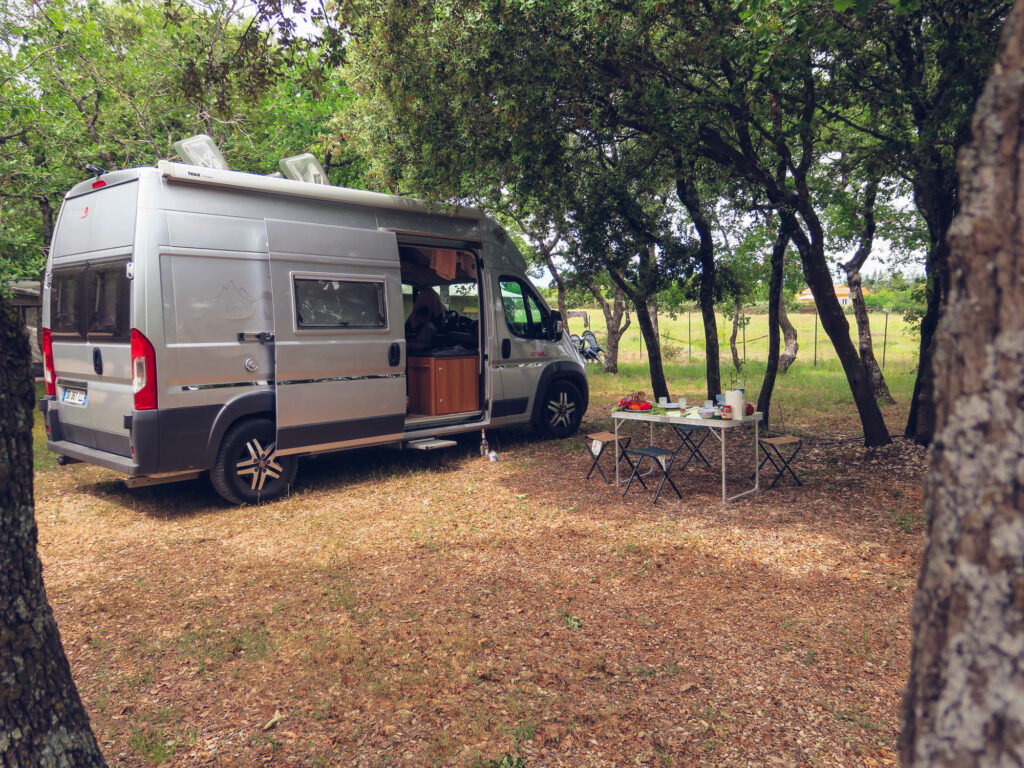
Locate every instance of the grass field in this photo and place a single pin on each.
(402, 609)
(811, 398)
(683, 339)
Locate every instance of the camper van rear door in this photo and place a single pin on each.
(337, 320)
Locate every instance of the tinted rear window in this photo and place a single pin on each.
(91, 302)
(107, 297)
(65, 302)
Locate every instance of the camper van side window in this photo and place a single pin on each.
(522, 311)
(329, 303)
(66, 302)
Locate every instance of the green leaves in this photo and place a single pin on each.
(116, 83)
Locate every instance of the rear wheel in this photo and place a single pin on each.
(562, 409)
(248, 469)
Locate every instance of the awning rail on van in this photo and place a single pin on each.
(194, 174)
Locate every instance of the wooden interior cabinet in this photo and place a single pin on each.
(440, 385)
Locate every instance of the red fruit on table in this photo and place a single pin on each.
(750, 409)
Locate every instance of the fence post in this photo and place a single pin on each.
(815, 337)
(689, 338)
(744, 341)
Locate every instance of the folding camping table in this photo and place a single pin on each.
(719, 428)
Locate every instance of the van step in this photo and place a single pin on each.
(143, 481)
(430, 444)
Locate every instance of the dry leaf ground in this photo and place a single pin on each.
(418, 610)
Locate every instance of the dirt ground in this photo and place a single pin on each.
(440, 609)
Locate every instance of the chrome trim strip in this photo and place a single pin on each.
(342, 378)
(498, 366)
(226, 385)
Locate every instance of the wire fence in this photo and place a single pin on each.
(895, 343)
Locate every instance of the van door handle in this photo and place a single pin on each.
(394, 354)
(97, 361)
(506, 348)
(262, 337)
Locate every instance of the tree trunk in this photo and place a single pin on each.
(833, 321)
(650, 333)
(686, 191)
(789, 338)
(736, 362)
(613, 312)
(962, 703)
(639, 298)
(867, 350)
(860, 309)
(652, 300)
(46, 213)
(764, 398)
(42, 721)
(921, 420)
(559, 285)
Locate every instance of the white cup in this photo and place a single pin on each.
(682, 402)
(662, 401)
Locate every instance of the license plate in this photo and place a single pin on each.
(74, 396)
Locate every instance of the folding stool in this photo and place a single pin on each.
(661, 457)
(606, 438)
(686, 436)
(772, 445)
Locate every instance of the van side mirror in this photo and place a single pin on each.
(555, 328)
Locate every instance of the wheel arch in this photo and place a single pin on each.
(552, 373)
(248, 405)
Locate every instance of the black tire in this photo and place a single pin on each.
(248, 469)
(561, 410)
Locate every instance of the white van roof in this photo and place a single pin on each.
(194, 174)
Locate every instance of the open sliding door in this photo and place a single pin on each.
(338, 336)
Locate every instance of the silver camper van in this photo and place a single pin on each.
(204, 320)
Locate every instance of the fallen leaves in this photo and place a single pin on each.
(444, 609)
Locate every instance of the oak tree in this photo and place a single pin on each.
(962, 704)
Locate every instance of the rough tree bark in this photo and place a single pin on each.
(962, 704)
(860, 309)
(42, 721)
(613, 311)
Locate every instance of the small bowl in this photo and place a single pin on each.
(706, 413)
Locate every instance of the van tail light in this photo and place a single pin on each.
(143, 372)
(49, 372)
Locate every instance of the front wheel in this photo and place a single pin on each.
(561, 409)
(248, 469)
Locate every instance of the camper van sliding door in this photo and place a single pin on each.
(338, 337)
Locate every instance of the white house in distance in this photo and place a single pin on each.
(842, 293)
